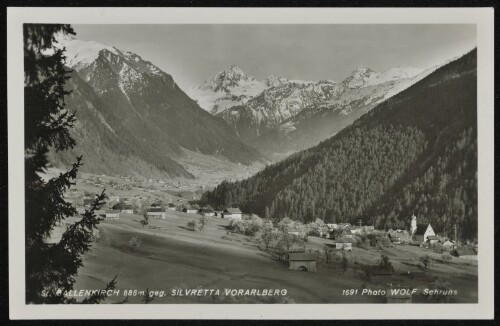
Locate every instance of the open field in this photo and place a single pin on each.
(173, 257)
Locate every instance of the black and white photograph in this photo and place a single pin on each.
(204, 163)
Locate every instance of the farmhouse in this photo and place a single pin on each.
(127, 209)
(155, 212)
(420, 232)
(232, 213)
(433, 239)
(448, 244)
(362, 229)
(301, 261)
(344, 244)
(112, 213)
(124, 208)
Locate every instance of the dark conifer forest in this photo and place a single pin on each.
(415, 153)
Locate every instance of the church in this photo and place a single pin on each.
(420, 232)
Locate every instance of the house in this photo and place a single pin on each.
(171, 206)
(232, 213)
(466, 253)
(155, 212)
(332, 226)
(344, 244)
(420, 232)
(362, 229)
(344, 226)
(190, 210)
(301, 261)
(127, 209)
(448, 244)
(112, 213)
(433, 239)
(124, 208)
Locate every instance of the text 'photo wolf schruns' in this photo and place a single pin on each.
(221, 164)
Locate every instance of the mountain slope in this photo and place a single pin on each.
(133, 118)
(280, 116)
(414, 153)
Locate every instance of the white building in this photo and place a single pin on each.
(156, 213)
(112, 214)
(232, 213)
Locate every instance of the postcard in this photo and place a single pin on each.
(244, 163)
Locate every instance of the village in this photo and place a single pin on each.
(417, 257)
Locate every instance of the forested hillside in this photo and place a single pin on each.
(415, 153)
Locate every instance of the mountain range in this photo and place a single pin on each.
(278, 115)
(414, 153)
(132, 118)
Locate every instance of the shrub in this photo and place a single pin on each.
(426, 261)
(135, 242)
(385, 263)
(249, 227)
(191, 224)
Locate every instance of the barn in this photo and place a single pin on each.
(232, 213)
(344, 244)
(112, 213)
(155, 212)
(433, 239)
(301, 261)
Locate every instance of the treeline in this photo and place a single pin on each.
(415, 153)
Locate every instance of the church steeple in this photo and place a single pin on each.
(413, 226)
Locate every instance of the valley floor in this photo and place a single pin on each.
(173, 257)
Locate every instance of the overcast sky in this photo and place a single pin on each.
(192, 53)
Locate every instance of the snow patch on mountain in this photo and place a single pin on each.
(227, 88)
(80, 54)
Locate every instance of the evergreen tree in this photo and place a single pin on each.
(50, 267)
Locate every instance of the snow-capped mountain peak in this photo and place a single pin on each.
(231, 77)
(359, 77)
(80, 54)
